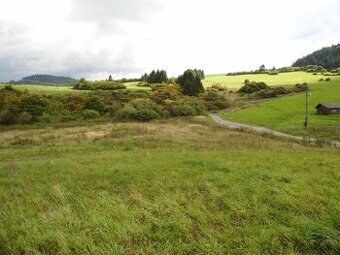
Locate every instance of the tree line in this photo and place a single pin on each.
(190, 81)
(328, 57)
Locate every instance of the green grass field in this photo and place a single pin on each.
(281, 79)
(53, 90)
(181, 186)
(46, 90)
(287, 113)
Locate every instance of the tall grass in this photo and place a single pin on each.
(172, 187)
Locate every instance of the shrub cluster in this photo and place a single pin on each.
(335, 72)
(83, 84)
(273, 72)
(262, 90)
(165, 100)
(273, 92)
(300, 87)
(251, 87)
(19, 107)
(217, 87)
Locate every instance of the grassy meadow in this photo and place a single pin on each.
(235, 82)
(287, 113)
(166, 187)
(46, 90)
(55, 90)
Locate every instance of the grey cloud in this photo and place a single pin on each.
(323, 22)
(18, 63)
(20, 57)
(109, 15)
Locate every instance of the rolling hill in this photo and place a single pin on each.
(51, 80)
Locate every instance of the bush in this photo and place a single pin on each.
(195, 103)
(221, 103)
(145, 104)
(183, 110)
(328, 79)
(112, 109)
(217, 87)
(46, 118)
(211, 96)
(301, 87)
(252, 87)
(163, 93)
(126, 113)
(145, 115)
(210, 105)
(90, 114)
(95, 103)
(7, 117)
(273, 92)
(34, 104)
(96, 85)
(74, 103)
(321, 79)
(10, 97)
(25, 118)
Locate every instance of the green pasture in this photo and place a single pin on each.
(53, 90)
(46, 90)
(180, 186)
(272, 80)
(287, 114)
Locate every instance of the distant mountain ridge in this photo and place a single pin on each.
(44, 79)
(328, 57)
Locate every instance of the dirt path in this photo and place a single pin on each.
(262, 130)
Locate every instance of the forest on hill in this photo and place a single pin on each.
(328, 57)
(43, 79)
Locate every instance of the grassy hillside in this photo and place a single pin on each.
(287, 114)
(167, 187)
(280, 79)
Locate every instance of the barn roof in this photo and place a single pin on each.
(329, 105)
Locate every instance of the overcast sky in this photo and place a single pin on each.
(125, 38)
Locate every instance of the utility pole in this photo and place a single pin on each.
(307, 112)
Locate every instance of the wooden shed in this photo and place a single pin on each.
(328, 108)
